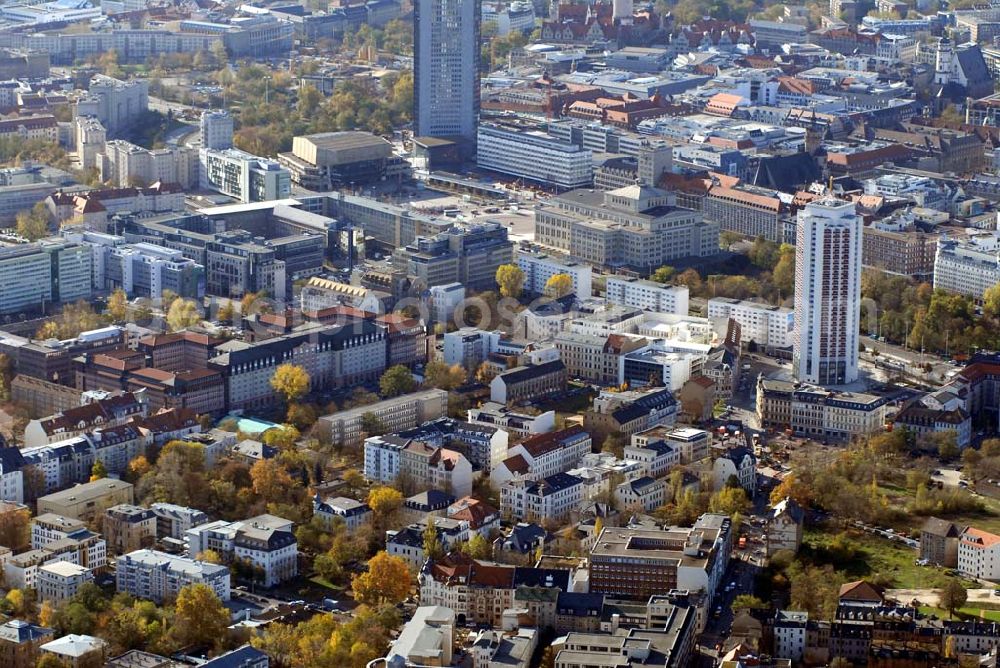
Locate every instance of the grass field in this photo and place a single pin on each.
(967, 613)
(987, 521)
(874, 555)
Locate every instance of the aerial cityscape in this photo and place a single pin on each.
(499, 334)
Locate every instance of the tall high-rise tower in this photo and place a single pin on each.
(446, 68)
(827, 293)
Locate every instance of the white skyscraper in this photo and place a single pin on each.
(827, 293)
(446, 68)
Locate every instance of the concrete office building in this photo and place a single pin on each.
(898, 247)
(330, 160)
(83, 502)
(131, 45)
(216, 129)
(403, 412)
(539, 267)
(772, 34)
(21, 197)
(638, 563)
(469, 347)
(747, 210)
(141, 269)
(146, 270)
(534, 155)
(827, 293)
(467, 255)
(41, 273)
(509, 16)
(444, 300)
(238, 261)
(257, 35)
(115, 103)
(50, 12)
(23, 64)
(635, 226)
(647, 295)
(243, 176)
(386, 225)
(446, 57)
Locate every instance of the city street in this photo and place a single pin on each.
(717, 627)
(939, 367)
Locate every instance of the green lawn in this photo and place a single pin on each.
(969, 612)
(875, 555)
(987, 521)
(323, 582)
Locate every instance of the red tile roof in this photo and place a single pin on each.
(979, 539)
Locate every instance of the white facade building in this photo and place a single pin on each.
(216, 129)
(968, 267)
(534, 155)
(244, 176)
(738, 462)
(538, 268)
(647, 295)
(265, 541)
(790, 635)
(509, 16)
(668, 367)
(979, 554)
(519, 424)
(827, 293)
(656, 457)
(60, 580)
(765, 325)
(552, 498)
(643, 493)
(354, 514)
(11, 477)
(269, 547)
(468, 346)
(157, 575)
(382, 457)
(445, 300)
(124, 164)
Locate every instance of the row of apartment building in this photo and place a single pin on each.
(818, 413)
